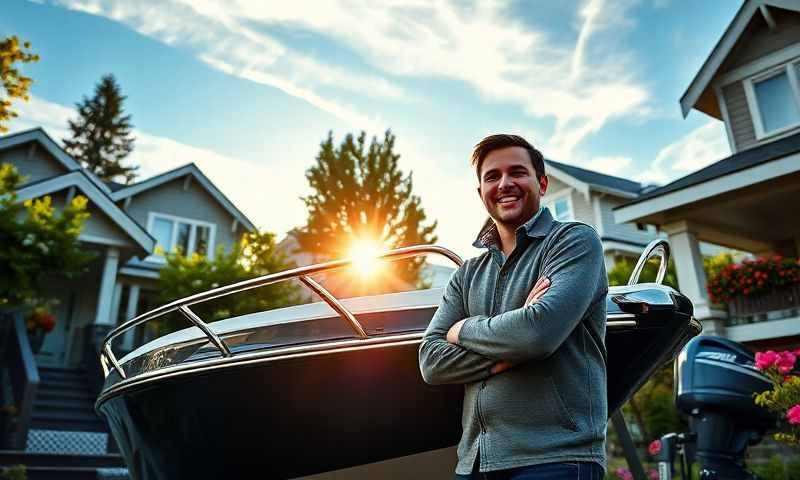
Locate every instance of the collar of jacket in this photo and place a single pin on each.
(536, 227)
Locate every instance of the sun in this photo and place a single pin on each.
(364, 254)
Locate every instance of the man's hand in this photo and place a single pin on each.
(536, 293)
(452, 334)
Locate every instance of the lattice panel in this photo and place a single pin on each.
(66, 442)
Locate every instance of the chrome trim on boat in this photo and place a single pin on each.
(335, 346)
(335, 304)
(658, 247)
(199, 323)
(397, 254)
(620, 320)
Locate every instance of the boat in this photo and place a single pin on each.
(331, 389)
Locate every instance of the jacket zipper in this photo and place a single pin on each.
(478, 413)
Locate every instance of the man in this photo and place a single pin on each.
(523, 327)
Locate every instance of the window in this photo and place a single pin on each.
(174, 233)
(561, 208)
(774, 100)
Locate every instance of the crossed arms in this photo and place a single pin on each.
(458, 348)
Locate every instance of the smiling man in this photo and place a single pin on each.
(522, 327)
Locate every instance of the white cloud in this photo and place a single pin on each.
(267, 194)
(608, 165)
(697, 149)
(505, 60)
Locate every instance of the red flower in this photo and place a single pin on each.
(654, 448)
(793, 415)
(785, 362)
(764, 360)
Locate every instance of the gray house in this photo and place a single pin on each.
(130, 227)
(751, 82)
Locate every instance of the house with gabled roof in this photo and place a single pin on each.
(751, 82)
(130, 227)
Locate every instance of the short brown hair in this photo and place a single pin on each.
(500, 141)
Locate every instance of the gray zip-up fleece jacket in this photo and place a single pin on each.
(551, 406)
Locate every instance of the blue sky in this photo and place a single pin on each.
(248, 89)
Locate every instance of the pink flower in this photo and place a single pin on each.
(652, 474)
(623, 474)
(655, 447)
(785, 362)
(793, 415)
(764, 360)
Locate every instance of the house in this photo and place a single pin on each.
(129, 229)
(751, 82)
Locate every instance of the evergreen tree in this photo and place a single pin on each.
(360, 195)
(14, 83)
(101, 136)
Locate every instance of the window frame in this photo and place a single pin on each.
(564, 194)
(176, 220)
(790, 69)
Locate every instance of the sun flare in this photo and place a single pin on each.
(364, 254)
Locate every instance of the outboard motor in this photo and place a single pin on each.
(715, 384)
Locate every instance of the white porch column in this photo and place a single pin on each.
(107, 282)
(130, 312)
(692, 276)
(608, 258)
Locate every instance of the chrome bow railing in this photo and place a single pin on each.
(658, 247)
(301, 273)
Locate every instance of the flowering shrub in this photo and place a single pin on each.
(784, 397)
(625, 474)
(752, 277)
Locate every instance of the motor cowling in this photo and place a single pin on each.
(716, 383)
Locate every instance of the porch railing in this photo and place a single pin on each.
(777, 304)
(19, 367)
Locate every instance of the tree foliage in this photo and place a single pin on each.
(15, 84)
(622, 270)
(361, 195)
(36, 239)
(101, 135)
(256, 255)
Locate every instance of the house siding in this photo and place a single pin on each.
(759, 40)
(193, 203)
(34, 167)
(740, 118)
(582, 209)
(626, 232)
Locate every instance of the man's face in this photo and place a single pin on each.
(509, 188)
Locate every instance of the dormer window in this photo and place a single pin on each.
(774, 100)
(177, 233)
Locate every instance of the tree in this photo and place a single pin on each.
(256, 255)
(101, 136)
(362, 197)
(15, 84)
(36, 240)
(622, 270)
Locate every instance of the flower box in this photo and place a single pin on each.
(775, 304)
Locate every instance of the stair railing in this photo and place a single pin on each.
(20, 365)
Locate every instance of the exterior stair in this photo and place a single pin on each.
(65, 401)
(66, 439)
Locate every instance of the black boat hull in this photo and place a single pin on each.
(306, 412)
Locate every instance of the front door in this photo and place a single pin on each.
(57, 343)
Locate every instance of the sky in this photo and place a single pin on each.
(247, 89)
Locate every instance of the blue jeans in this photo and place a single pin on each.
(545, 471)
